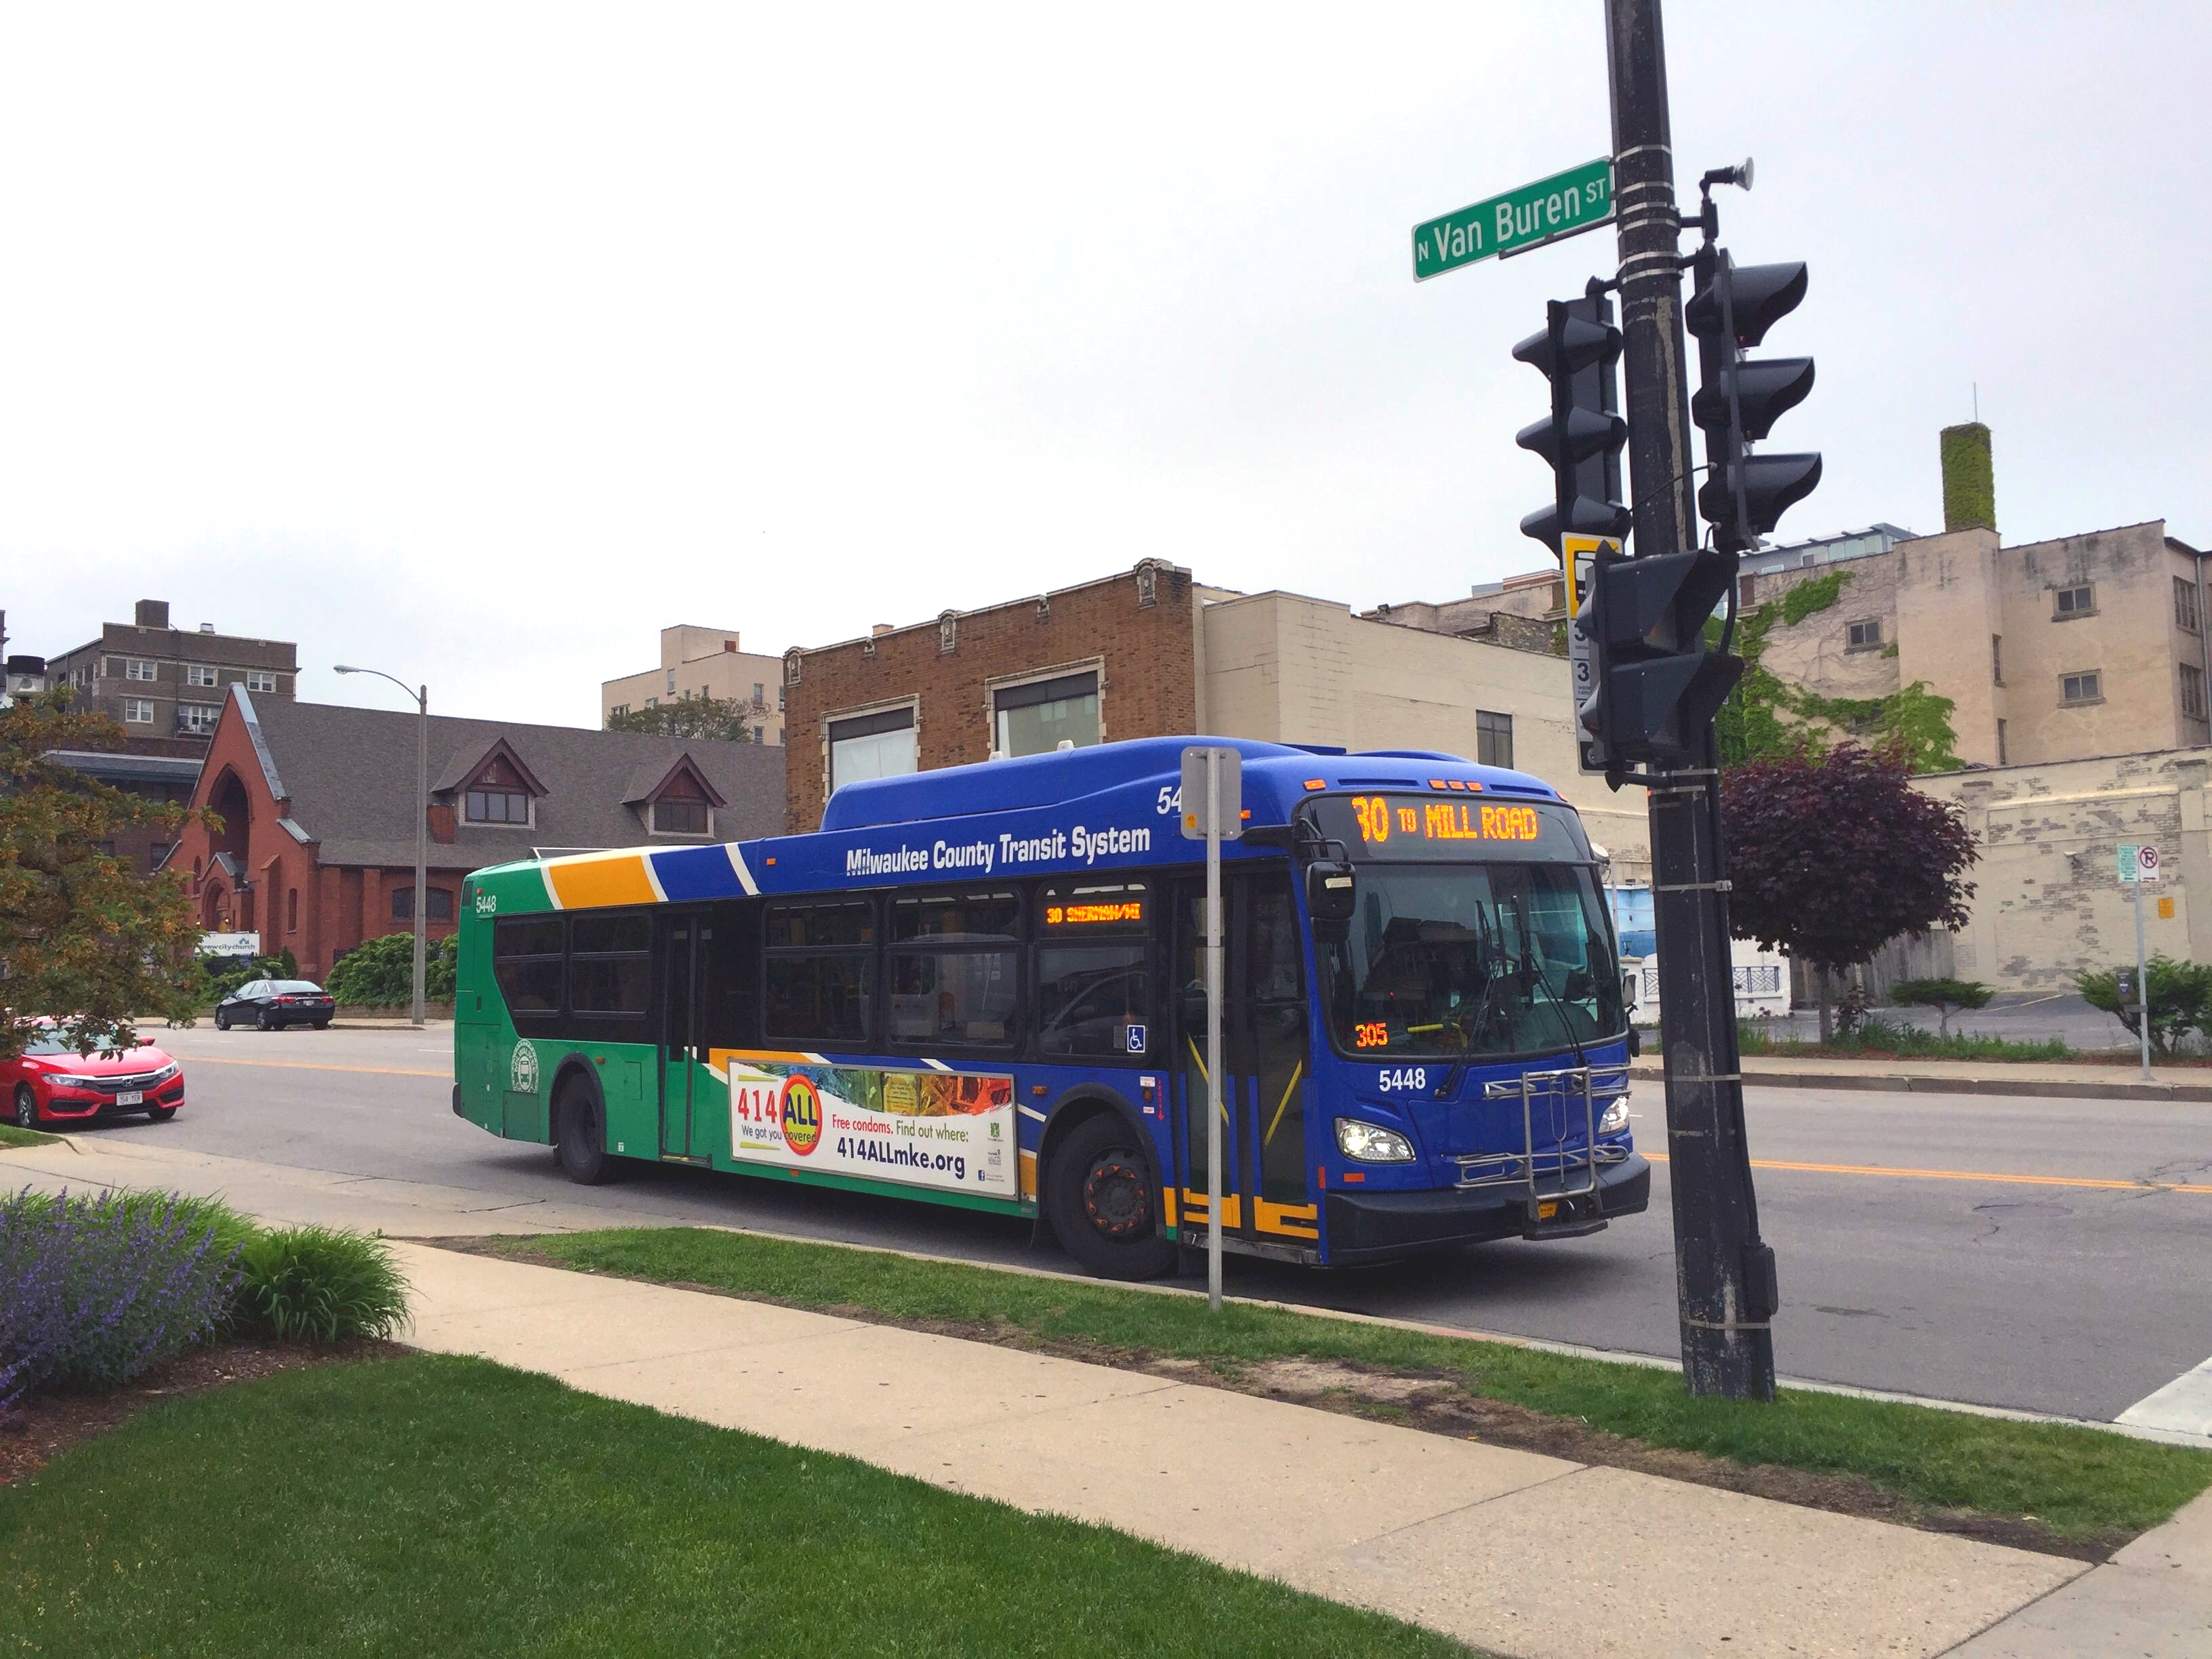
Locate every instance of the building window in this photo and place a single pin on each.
(1864, 635)
(2185, 616)
(779, 699)
(653, 703)
(2081, 687)
(672, 682)
(1746, 587)
(682, 808)
(497, 795)
(402, 904)
(137, 668)
(199, 673)
(198, 718)
(138, 711)
(878, 745)
(1038, 718)
(618, 710)
(2001, 745)
(1996, 659)
(760, 692)
(2077, 601)
(260, 679)
(2192, 691)
(1494, 738)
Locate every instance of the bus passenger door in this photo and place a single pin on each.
(682, 998)
(1263, 1044)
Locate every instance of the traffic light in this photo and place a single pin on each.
(1582, 435)
(1655, 687)
(1740, 399)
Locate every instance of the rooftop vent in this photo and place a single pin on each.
(206, 628)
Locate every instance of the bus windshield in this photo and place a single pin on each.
(1469, 961)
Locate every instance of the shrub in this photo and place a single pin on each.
(222, 981)
(94, 1291)
(319, 1284)
(381, 974)
(2180, 999)
(1943, 995)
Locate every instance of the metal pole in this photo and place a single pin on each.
(422, 839)
(1213, 1107)
(2142, 982)
(1723, 1275)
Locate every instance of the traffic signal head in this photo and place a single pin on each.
(1581, 437)
(1740, 399)
(1655, 685)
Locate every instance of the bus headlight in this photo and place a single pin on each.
(1615, 1119)
(1370, 1143)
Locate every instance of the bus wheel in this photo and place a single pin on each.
(582, 1132)
(1103, 1205)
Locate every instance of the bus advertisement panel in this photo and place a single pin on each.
(922, 1128)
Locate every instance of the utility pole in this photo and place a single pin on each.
(1724, 1276)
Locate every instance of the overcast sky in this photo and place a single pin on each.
(479, 344)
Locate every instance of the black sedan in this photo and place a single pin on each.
(270, 1003)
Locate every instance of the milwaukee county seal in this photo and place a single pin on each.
(522, 1074)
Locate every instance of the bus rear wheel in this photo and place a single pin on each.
(1102, 1202)
(580, 1138)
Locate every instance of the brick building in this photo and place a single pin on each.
(1107, 659)
(168, 684)
(317, 846)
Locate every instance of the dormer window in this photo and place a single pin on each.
(673, 800)
(497, 795)
(681, 811)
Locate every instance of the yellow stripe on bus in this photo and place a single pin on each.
(597, 880)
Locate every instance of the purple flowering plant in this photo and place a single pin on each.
(96, 1290)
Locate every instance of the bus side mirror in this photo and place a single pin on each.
(1330, 894)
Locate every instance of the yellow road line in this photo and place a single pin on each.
(306, 1066)
(2096, 1182)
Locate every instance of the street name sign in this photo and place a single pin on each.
(1578, 554)
(1564, 204)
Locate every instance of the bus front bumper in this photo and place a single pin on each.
(1369, 1227)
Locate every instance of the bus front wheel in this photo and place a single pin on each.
(1102, 1204)
(580, 1141)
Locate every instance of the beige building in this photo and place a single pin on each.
(2047, 895)
(704, 662)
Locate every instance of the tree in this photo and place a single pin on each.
(379, 973)
(85, 936)
(2180, 998)
(723, 720)
(1943, 995)
(1831, 856)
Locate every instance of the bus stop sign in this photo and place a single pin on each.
(1228, 793)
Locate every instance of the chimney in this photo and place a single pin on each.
(1970, 493)
(879, 630)
(152, 613)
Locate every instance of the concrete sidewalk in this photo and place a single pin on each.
(1514, 1553)
(2046, 1079)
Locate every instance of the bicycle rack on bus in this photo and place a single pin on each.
(1549, 1176)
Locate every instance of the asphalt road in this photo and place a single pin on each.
(2018, 1286)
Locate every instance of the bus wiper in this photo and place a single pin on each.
(1565, 1024)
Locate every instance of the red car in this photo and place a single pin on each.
(50, 1082)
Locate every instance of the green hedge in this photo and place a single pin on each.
(381, 974)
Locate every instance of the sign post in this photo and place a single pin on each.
(2139, 862)
(1213, 811)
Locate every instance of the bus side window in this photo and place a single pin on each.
(1094, 970)
(731, 1013)
(818, 972)
(527, 962)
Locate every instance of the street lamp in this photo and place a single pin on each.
(422, 695)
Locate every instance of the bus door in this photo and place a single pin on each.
(685, 966)
(1264, 1043)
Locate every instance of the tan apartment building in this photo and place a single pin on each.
(1152, 652)
(703, 662)
(166, 685)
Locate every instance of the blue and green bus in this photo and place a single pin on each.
(982, 986)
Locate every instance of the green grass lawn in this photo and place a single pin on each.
(1884, 1039)
(2078, 1482)
(12, 1136)
(435, 1505)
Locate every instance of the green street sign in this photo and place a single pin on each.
(1564, 204)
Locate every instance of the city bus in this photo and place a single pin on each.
(983, 986)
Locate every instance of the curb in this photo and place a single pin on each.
(1923, 1083)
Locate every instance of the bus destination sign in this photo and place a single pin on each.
(1380, 818)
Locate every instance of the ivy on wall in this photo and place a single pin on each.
(1767, 717)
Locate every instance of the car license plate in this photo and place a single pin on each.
(131, 1097)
